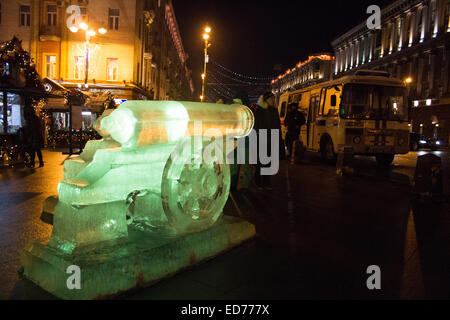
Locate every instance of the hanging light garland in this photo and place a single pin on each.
(268, 78)
(16, 66)
(220, 84)
(254, 85)
(242, 81)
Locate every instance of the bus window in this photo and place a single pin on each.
(315, 108)
(374, 102)
(297, 98)
(283, 110)
(330, 110)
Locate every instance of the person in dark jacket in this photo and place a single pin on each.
(267, 118)
(294, 122)
(33, 136)
(242, 172)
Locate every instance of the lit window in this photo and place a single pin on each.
(51, 15)
(112, 69)
(13, 119)
(399, 34)
(50, 66)
(434, 25)
(80, 66)
(25, 16)
(84, 16)
(448, 15)
(114, 15)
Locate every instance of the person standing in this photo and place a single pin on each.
(266, 118)
(34, 135)
(243, 171)
(294, 122)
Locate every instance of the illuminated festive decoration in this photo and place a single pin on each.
(161, 133)
(243, 81)
(242, 75)
(227, 84)
(220, 88)
(16, 67)
(18, 79)
(312, 71)
(324, 57)
(159, 176)
(176, 37)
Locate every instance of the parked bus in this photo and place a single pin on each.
(364, 114)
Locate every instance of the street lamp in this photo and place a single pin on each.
(408, 82)
(89, 34)
(206, 37)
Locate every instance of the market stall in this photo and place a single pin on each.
(20, 88)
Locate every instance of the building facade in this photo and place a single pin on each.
(141, 55)
(412, 44)
(316, 69)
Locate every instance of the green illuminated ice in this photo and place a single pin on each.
(160, 165)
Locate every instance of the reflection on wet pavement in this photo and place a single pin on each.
(317, 234)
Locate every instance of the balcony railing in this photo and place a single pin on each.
(47, 30)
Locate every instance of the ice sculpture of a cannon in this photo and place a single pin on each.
(151, 167)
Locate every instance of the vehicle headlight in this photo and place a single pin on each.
(357, 140)
(438, 143)
(422, 142)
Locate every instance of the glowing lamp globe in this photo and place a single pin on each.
(84, 26)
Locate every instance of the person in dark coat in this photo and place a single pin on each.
(242, 172)
(294, 122)
(33, 135)
(267, 118)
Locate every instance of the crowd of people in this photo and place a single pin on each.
(267, 118)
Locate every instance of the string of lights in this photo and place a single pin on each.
(210, 97)
(223, 91)
(242, 81)
(268, 78)
(220, 84)
(225, 83)
(218, 94)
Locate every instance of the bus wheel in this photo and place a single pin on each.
(385, 160)
(327, 150)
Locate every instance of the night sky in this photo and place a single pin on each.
(252, 37)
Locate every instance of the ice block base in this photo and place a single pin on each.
(138, 261)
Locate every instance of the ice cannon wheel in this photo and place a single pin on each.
(195, 185)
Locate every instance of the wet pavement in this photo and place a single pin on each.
(317, 234)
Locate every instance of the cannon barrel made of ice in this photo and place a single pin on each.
(149, 167)
(139, 124)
